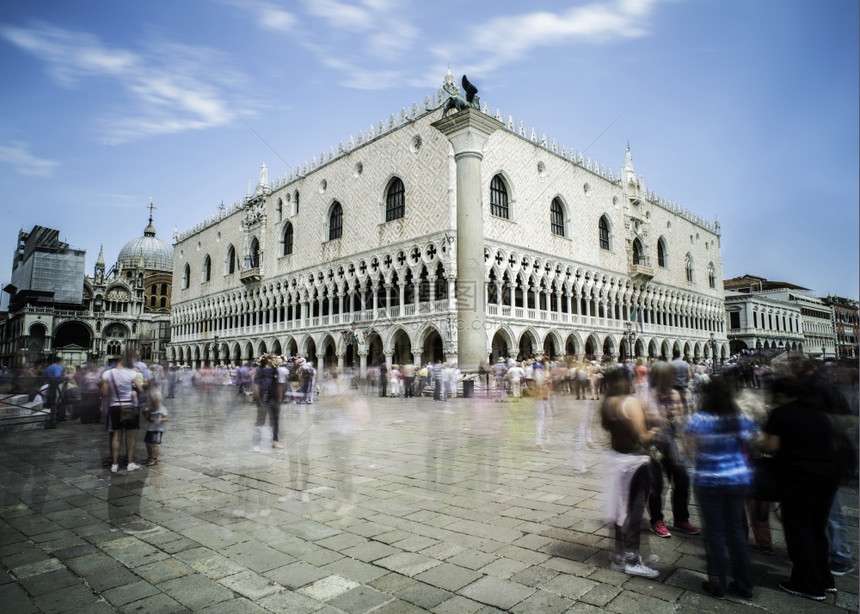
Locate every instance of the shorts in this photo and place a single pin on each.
(114, 424)
(153, 437)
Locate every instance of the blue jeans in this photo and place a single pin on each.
(722, 510)
(837, 533)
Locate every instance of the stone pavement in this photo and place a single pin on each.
(373, 505)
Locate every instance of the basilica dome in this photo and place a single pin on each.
(157, 254)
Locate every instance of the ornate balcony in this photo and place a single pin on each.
(250, 276)
(642, 272)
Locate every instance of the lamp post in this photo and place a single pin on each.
(350, 337)
(216, 349)
(713, 344)
(822, 352)
(630, 336)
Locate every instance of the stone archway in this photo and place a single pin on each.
(498, 348)
(401, 347)
(570, 346)
(375, 357)
(526, 346)
(549, 348)
(432, 349)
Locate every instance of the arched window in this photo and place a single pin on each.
(231, 260)
(637, 252)
(499, 198)
(556, 217)
(296, 203)
(186, 276)
(603, 227)
(163, 302)
(712, 276)
(661, 252)
(280, 209)
(335, 222)
(395, 200)
(163, 289)
(288, 239)
(688, 267)
(207, 268)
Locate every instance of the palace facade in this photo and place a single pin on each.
(352, 259)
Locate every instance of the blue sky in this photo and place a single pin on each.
(742, 111)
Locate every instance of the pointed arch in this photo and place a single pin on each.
(335, 221)
(231, 263)
(662, 253)
(287, 238)
(557, 217)
(604, 229)
(499, 201)
(395, 200)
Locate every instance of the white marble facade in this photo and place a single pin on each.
(236, 287)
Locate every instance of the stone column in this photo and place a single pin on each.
(468, 130)
(362, 363)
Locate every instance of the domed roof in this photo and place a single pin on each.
(157, 254)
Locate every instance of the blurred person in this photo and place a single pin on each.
(540, 393)
(394, 381)
(309, 375)
(667, 411)
(284, 381)
(157, 416)
(266, 395)
(628, 475)
(800, 437)
(243, 378)
(423, 379)
(516, 374)
(409, 380)
(454, 379)
(822, 391)
(438, 374)
(500, 370)
(720, 434)
(757, 517)
(121, 387)
(383, 379)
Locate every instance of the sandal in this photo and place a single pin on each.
(150, 462)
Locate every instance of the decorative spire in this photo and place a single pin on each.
(149, 231)
(100, 261)
(629, 173)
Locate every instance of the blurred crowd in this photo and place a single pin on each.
(742, 440)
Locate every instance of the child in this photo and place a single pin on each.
(157, 416)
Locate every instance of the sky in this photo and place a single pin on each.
(740, 111)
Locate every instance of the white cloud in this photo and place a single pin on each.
(503, 40)
(268, 16)
(342, 15)
(173, 88)
(18, 156)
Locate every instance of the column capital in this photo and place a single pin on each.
(468, 130)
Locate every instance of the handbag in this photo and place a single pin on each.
(127, 413)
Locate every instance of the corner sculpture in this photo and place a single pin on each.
(455, 100)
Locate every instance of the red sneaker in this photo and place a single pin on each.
(686, 527)
(659, 529)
